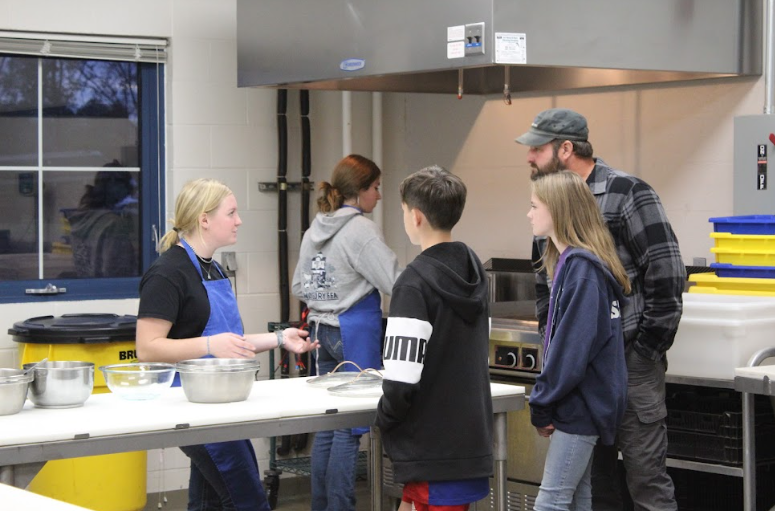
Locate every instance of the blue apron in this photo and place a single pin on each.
(236, 461)
(361, 331)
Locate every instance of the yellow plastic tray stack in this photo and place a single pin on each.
(745, 257)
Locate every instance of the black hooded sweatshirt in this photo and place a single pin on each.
(436, 411)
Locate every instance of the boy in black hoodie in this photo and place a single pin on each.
(436, 411)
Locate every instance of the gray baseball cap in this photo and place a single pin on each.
(553, 124)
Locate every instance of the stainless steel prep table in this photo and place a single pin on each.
(108, 424)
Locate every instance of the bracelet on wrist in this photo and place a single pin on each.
(208, 345)
(280, 338)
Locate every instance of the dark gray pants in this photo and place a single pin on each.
(642, 440)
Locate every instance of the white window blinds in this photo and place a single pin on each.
(83, 46)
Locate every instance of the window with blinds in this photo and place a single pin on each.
(81, 165)
(84, 47)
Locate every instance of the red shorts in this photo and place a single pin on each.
(417, 493)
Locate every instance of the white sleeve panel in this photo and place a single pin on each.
(406, 341)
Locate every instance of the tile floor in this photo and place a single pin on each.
(293, 496)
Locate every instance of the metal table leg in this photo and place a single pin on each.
(500, 453)
(20, 476)
(7, 475)
(375, 454)
(749, 453)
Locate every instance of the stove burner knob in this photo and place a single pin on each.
(511, 359)
(530, 361)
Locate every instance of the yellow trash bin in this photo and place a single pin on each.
(113, 482)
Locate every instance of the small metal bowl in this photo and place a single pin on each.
(13, 390)
(139, 381)
(217, 380)
(61, 384)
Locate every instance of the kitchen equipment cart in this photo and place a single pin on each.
(735, 464)
(750, 381)
(107, 424)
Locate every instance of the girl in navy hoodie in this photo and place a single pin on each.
(581, 394)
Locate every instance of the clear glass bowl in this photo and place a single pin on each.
(140, 380)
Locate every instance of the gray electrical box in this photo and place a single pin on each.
(754, 193)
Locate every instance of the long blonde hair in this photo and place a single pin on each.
(577, 222)
(196, 197)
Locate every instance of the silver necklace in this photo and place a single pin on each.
(206, 265)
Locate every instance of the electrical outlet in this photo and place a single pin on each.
(699, 261)
(229, 260)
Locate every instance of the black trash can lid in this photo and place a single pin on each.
(75, 329)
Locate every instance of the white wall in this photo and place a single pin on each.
(677, 138)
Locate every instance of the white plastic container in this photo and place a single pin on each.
(720, 306)
(718, 333)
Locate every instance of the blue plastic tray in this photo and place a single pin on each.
(750, 224)
(743, 272)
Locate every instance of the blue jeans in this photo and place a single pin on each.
(334, 453)
(212, 489)
(567, 480)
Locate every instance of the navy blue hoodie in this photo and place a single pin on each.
(582, 388)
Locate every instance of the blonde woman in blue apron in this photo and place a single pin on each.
(343, 266)
(188, 310)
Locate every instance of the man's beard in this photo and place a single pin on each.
(555, 165)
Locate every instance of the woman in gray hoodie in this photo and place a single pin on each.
(344, 264)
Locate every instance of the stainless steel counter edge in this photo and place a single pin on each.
(46, 451)
(698, 381)
(753, 385)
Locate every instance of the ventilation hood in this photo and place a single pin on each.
(486, 45)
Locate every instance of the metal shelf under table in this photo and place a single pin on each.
(703, 466)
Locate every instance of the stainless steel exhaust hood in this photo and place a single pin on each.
(525, 45)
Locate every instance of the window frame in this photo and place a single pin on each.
(152, 209)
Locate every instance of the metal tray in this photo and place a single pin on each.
(360, 387)
(343, 377)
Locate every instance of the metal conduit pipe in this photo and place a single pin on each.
(306, 160)
(282, 233)
(347, 123)
(282, 202)
(376, 149)
(769, 56)
(300, 441)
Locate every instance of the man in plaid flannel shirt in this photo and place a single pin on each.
(648, 248)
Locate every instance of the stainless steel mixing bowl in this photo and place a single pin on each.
(217, 380)
(61, 384)
(13, 390)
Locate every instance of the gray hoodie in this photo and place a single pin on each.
(343, 258)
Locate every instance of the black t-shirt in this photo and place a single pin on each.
(172, 290)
